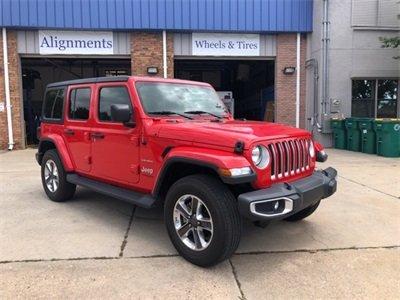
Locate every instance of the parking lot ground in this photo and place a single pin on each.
(97, 247)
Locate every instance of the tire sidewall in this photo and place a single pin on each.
(218, 243)
(62, 190)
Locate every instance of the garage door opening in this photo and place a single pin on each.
(37, 73)
(246, 86)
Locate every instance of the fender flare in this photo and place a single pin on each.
(212, 159)
(61, 149)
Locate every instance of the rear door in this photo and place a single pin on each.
(77, 126)
(115, 147)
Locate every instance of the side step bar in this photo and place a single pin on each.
(136, 198)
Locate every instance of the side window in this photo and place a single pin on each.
(79, 104)
(53, 104)
(110, 96)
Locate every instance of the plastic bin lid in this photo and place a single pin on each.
(387, 120)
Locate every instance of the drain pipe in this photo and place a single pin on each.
(164, 37)
(325, 62)
(7, 91)
(315, 122)
(298, 82)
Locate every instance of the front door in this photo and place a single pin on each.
(115, 147)
(77, 126)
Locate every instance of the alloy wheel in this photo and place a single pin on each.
(51, 176)
(193, 222)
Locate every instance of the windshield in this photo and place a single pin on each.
(172, 98)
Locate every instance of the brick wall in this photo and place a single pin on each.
(147, 51)
(14, 69)
(285, 104)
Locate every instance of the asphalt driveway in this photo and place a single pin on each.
(98, 247)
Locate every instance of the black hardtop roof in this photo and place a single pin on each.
(89, 80)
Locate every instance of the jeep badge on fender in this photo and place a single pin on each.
(153, 141)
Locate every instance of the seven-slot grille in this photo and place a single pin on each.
(289, 157)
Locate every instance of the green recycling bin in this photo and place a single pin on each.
(339, 133)
(387, 137)
(353, 134)
(368, 136)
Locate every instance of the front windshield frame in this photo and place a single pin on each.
(224, 113)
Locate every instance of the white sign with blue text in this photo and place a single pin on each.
(225, 44)
(76, 42)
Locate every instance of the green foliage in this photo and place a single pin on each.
(393, 42)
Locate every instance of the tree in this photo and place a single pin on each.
(393, 42)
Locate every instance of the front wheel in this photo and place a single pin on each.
(54, 178)
(202, 219)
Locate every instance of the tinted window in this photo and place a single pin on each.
(110, 96)
(53, 104)
(79, 104)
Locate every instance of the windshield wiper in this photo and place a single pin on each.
(167, 113)
(200, 112)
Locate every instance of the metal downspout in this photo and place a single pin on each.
(7, 91)
(165, 67)
(298, 81)
(325, 62)
(315, 122)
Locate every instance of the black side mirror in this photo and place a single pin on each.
(122, 113)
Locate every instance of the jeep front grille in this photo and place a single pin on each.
(289, 158)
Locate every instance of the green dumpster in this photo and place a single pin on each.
(368, 136)
(353, 134)
(387, 137)
(339, 133)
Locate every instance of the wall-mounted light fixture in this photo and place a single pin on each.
(289, 70)
(152, 70)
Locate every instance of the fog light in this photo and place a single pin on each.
(276, 206)
(240, 171)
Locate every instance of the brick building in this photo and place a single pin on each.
(252, 52)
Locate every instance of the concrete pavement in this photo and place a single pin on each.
(98, 247)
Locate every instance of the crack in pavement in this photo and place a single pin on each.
(311, 251)
(239, 285)
(364, 185)
(125, 240)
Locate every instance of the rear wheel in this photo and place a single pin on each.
(303, 213)
(202, 219)
(54, 179)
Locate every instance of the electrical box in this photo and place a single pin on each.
(336, 106)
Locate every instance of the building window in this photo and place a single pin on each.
(110, 96)
(375, 13)
(387, 98)
(374, 98)
(79, 104)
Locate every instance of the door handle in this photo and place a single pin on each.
(97, 135)
(69, 132)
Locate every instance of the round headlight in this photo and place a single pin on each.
(256, 155)
(260, 156)
(311, 149)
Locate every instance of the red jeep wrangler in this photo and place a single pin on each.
(154, 141)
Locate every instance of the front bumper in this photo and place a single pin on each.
(285, 199)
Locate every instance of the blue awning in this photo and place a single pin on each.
(175, 15)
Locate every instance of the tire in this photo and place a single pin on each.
(63, 190)
(303, 213)
(217, 205)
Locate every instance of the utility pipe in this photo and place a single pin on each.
(325, 61)
(7, 92)
(298, 82)
(165, 67)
